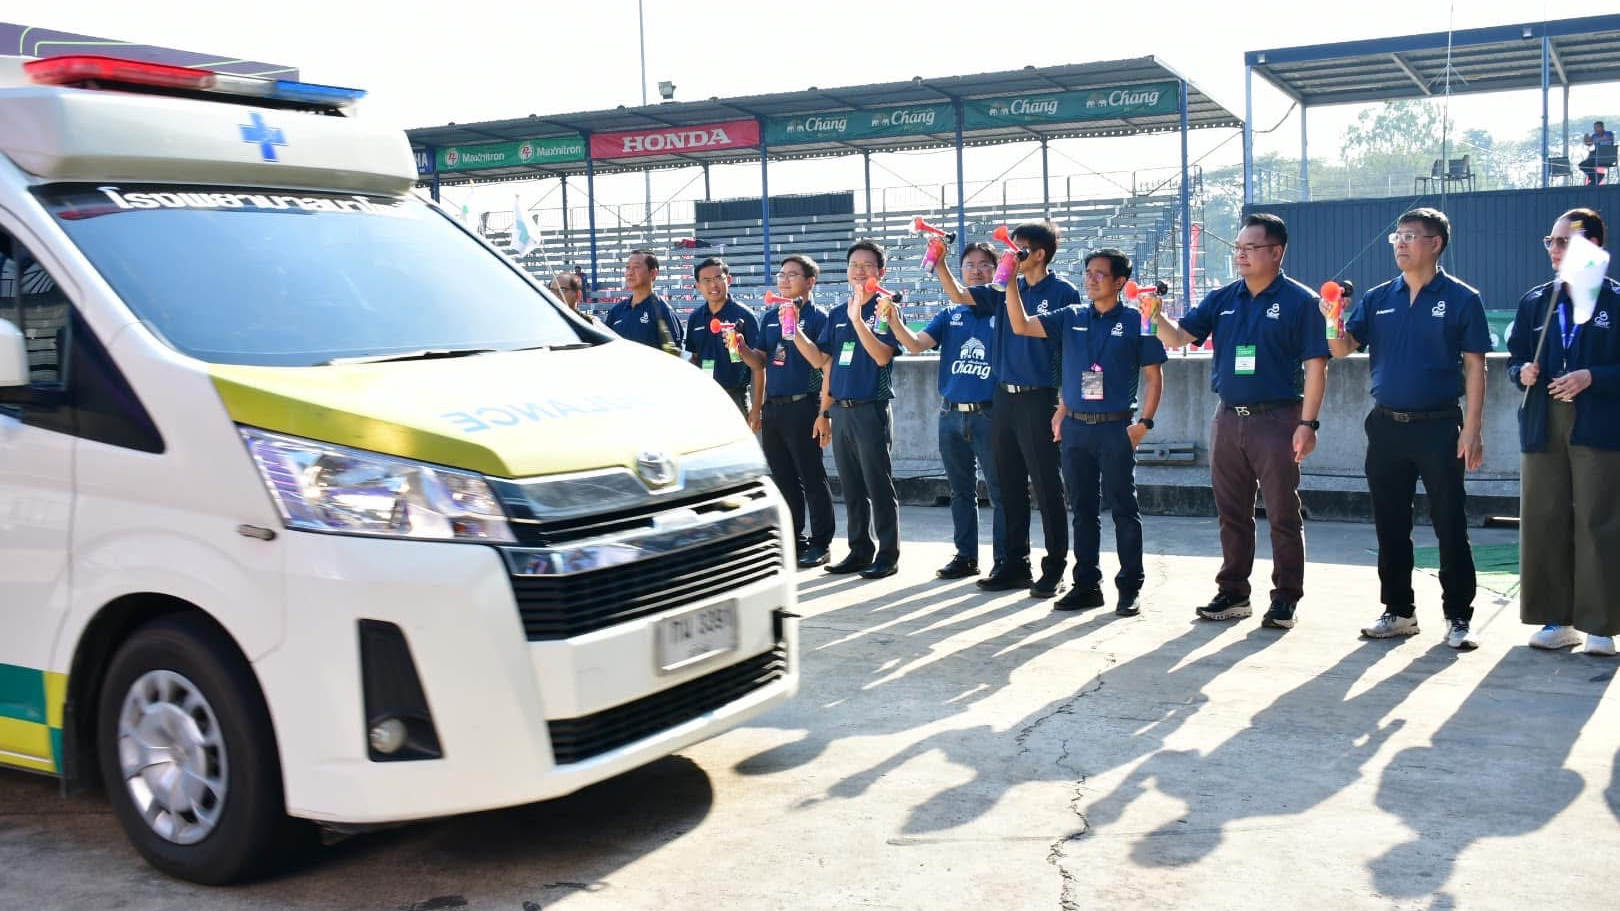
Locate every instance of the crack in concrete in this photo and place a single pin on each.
(1067, 708)
(1069, 894)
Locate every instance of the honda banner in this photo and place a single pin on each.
(733, 134)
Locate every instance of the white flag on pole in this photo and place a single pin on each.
(525, 236)
(1582, 271)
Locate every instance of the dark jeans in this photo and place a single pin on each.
(964, 438)
(861, 437)
(1397, 456)
(1026, 455)
(1100, 456)
(794, 457)
(1258, 452)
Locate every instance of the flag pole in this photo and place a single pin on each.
(1546, 324)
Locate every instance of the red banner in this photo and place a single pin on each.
(733, 134)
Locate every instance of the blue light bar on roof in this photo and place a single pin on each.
(315, 93)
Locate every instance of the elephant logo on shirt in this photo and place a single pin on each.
(1439, 310)
(1601, 320)
(1276, 310)
(1042, 307)
(972, 360)
(1118, 331)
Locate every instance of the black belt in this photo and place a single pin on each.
(968, 407)
(1016, 390)
(851, 403)
(1258, 407)
(1099, 417)
(1407, 417)
(786, 399)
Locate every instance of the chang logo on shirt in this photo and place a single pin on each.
(972, 360)
(1119, 330)
(1439, 310)
(1276, 310)
(1601, 321)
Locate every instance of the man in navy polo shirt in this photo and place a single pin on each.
(792, 401)
(1105, 353)
(1417, 328)
(645, 317)
(963, 336)
(1270, 372)
(855, 413)
(1026, 371)
(735, 370)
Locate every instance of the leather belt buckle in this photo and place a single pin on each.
(1241, 411)
(1401, 417)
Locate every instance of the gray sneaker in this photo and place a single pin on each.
(1460, 637)
(1391, 625)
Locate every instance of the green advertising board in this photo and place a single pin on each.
(512, 154)
(1109, 103)
(911, 120)
(1499, 321)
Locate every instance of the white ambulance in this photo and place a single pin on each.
(315, 511)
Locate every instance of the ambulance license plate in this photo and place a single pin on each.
(692, 636)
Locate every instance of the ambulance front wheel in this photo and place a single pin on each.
(189, 758)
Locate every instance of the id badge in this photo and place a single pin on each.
(847, 355)
(1243, 365)
(780, 360)
(708, 365)
(1091, 384)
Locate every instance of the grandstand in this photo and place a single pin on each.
(1144, 226)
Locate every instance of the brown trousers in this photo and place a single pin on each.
(1569, 532)
(1258, 452)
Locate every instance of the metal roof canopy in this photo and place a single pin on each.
(1203, 112)
(1499, 58)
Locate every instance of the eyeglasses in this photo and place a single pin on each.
(1406, 237)
(1250, 248)
(786, 274)
(1551, 242)
(1099, 276)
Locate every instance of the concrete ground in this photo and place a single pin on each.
(953, 749)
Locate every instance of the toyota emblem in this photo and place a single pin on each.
(655, 468)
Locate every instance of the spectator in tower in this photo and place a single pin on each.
(1602, 154)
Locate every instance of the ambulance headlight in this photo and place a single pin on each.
(322, 487)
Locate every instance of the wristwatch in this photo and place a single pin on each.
(1145, 422)
(827, 415)
(1314, 425)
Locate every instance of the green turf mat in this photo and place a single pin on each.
(1496, 565)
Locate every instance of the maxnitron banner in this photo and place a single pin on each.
(511, 154)
(1067, 107)
(914, 120)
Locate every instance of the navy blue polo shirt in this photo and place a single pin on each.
(854, 374)
(1113, 341)
(1019, 360)
(1416, 347)
(786, 370)
(638, 323)
(963, 338)
(1284, 326)
(711, 346)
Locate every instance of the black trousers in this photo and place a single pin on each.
(861, 438)
(1026, 455)
(1398, 454)
(794, 457)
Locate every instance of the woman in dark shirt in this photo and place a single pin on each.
(1569, 432)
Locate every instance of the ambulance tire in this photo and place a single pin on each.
(253, 836)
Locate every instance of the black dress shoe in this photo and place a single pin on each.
(1080, 599)
(1047, 585)
(958, 568)
(1006, 578)
(880, 570)
(1128, 606)
(850, 564)
(813, 556)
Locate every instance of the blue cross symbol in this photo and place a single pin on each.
(267, 137)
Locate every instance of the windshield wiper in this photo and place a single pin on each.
(425, 354)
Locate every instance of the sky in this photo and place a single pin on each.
(428, 64)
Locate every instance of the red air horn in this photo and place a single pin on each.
(936, 242)
(881, 324)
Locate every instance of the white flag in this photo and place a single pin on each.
(525, 236)
(1582, 271)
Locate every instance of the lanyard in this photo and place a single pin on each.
(1568, 329)
(1092, 349)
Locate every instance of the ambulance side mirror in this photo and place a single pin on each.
(14, 369)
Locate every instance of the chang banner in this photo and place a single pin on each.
(479, 157)
(913, 120)
(1067, 107)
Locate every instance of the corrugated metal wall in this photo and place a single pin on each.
(1495, 237)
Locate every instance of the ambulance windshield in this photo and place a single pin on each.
(272, 278)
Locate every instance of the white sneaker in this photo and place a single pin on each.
(1600, 645)
(1459, 637)
(1552, 636)
(1391, 625)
